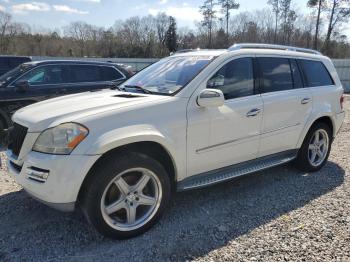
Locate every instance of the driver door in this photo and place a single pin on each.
(230, 134)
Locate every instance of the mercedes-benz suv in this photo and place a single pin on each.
(190, 120)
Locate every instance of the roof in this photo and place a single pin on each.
(72, 62)
(15, 56)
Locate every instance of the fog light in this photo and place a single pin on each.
(37, 174)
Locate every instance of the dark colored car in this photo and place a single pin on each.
(8, 63)
(36, 81)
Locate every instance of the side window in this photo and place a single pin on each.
(316, 73)
(51, 74)
(297, 80)
(109, 73)
(275, 74)
(85, 73)
(235, 79)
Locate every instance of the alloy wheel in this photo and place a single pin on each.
(131, 199)
(318, 147)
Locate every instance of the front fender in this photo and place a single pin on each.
(132, 134)
(127, 135)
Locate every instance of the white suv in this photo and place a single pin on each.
(190, 120)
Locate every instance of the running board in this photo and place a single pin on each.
(230, 172)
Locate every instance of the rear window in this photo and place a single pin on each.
(316, 74)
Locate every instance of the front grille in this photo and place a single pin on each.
(17, 134)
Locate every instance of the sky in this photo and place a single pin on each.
(55, 14)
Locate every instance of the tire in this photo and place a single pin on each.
(3, 126)
(305, 155)
(110, 205)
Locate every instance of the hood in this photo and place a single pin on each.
(39, 116)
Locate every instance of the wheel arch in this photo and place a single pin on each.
(327, 119)
(150, 148)
(5, 118)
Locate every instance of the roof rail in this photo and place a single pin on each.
(270, 46)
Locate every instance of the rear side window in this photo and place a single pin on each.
(109, 73)
(298, 83)
(316, 74)
(275, 74)
(85, 73)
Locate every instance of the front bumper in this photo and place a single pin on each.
(54, 180)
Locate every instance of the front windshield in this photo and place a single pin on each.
(14, 73)
(168, 75)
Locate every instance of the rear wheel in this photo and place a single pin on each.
(126, 195)
(315, 149)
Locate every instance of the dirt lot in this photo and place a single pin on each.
(276, 215)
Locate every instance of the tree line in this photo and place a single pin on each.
(222, 24)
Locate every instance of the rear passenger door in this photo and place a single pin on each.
(92, 77)
(287, 104)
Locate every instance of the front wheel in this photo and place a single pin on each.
(126, 195)
(315, 149)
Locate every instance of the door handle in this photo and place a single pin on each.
(253, 112)
(305, 100)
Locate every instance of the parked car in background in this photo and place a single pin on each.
(36, 81)
(8, 63)
(188, 121)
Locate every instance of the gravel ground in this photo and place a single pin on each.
(280, 214)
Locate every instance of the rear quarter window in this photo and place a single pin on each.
(109, 73)
(315, 73)
(85, 73)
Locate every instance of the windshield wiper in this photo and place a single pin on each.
(144, 90)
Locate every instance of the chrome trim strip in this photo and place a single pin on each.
(280, 128)
(200, 150)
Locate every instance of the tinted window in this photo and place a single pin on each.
(235, 79)
(110, 73)
(275, 74)
(316, 73)
(4, 62)
(298, 83)
(51, 74)
(85, 73)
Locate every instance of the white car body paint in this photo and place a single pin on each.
(197, 139)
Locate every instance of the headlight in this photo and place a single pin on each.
(60, 140)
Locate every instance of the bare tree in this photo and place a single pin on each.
(276, 9)
(209, 14)
(162, 23)
(338, 13)
(319, 4)
(226, 7)
(5, 20)
(81, 32)
(288, 17)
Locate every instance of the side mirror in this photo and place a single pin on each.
(211, 98)
(22, 85)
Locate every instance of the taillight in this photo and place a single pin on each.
(342, 98)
